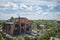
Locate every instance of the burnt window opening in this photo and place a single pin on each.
(22, 24)
(16, 31)
(8, 27)
(27, 29)
(22, 30)
(27, 25)
(16, 25)
(58, 22)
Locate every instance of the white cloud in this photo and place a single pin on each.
(10, 5)
(7, 16)
(38, 13)
(38, 8)
(52, 5)
(24, 3)
(32, 15)
(23, 6)
(26, 7)
(30, 8)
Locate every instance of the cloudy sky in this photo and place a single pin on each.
(31, 9)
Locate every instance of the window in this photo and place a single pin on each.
(27, 24)
(12, 25)
(8, 27)
(27, 28)
(58, 22)
(22, 30)
(16, 25)
(22, 24)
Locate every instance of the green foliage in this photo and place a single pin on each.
(36, 23)
(51, 32)
(27, 38)
(17, 38)
(2, 36)
(58, 32)
(46, 36)
(49, 24)
(0, 25)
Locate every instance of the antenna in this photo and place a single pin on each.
(18, 17)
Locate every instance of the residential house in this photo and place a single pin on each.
(15, 26)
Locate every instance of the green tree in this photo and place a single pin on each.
(27, 38)
(17, 38)
(0, 25)
(46, 36)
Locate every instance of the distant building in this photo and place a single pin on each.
(42, 25)
(15, 26)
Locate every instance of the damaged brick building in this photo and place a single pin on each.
(15, 26)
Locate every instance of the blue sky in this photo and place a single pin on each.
(31, 9)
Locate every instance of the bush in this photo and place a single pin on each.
(17, 38)
(46, 36)
(27, 38)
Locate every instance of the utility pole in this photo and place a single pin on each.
(19, 23)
